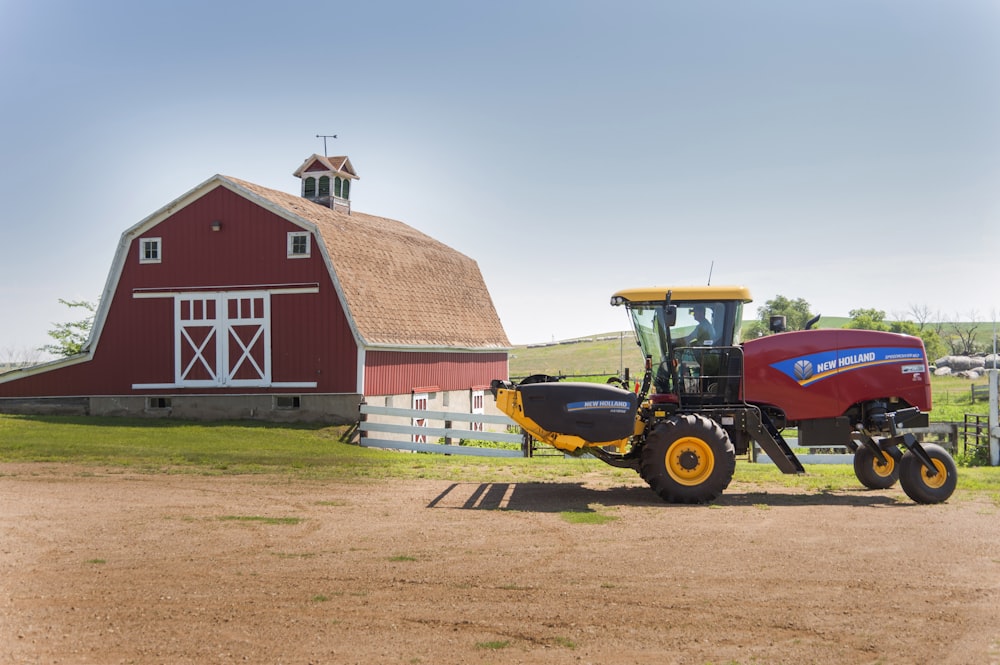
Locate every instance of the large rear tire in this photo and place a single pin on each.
(688, 459)
(875, 473)
(925, 488)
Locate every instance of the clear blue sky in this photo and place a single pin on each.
(845, 152)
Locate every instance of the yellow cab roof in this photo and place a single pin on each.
(683, 293)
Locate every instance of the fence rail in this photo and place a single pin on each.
(419, 434)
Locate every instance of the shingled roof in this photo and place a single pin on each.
(402, 288)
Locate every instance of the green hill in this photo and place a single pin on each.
(597, 355)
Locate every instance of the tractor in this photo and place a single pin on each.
(705, 398)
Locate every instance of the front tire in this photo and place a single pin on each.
(922, 487)
(688, 459)
(873, 472)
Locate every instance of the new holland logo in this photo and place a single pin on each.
(807, 370)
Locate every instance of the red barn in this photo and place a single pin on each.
(239, 301)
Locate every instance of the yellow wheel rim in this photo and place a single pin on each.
(884, 470)
(690, 460)
(936, 480)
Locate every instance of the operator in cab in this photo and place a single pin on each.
(703, 333)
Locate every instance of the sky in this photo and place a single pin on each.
(846, 152)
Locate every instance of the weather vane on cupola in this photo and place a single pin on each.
(325, 137)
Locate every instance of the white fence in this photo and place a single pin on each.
(418, 437)
(417, 431)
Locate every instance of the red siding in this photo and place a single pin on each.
(398, 372)
(310, 336)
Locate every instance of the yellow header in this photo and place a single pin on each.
(682, 293)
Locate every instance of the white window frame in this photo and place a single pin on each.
(157, 243)
(292, 235)
(419, 403)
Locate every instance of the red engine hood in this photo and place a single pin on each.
(821, 373)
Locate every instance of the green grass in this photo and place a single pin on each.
(158, 446)
(260, 518)
(952, 397)
(149, 446)
(596, 356)
(586, 517)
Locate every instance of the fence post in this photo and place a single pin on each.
(994, 415)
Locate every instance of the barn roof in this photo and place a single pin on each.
(401, 287)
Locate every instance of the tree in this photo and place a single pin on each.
(796, 312)
(962, 336)
(867, 319)
(921, 315)
(874, 319)
(70, 337)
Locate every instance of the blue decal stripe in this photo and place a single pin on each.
(809, 369)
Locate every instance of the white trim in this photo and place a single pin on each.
(360, 382)
(170, 386)
(156, 243)
(292, 235)
(290, 290)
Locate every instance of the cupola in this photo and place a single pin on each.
(327, 181)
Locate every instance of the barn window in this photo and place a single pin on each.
(336, 186)
(309, 187)
(298, 244)
(287, 402)
(347, 189)
(149, 250)
(324, 185)
(157, 403)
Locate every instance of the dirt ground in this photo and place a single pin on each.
(108, 566)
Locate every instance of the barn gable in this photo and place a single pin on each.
(237, 289)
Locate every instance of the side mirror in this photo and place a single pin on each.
(670, 315)
(777, 323)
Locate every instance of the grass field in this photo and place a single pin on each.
(174, 447)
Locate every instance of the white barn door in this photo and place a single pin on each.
(248, 339)
(222, 339)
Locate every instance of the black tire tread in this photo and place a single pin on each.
(653, 470)
(912, 482)
(864, 461)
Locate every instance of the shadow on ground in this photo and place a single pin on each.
(576, 497)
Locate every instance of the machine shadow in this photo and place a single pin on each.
(576, 497)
